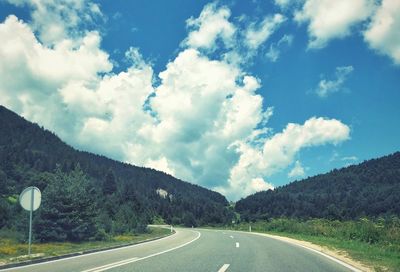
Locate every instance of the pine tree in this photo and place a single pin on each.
(67, 211)
(109, 184)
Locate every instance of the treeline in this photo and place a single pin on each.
(370, 189)
(110, 196)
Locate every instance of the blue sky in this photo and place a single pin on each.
(236, 96)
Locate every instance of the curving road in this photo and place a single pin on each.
(198, 250)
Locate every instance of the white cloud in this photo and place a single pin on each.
(204, 121)
(289, 5)
(328, 87)
(332, 19)
(328, 20)
(213, 112)
(209, 26)
(42, 71)
(297, 171)
(274, 51)
(161, 165)
(257, 34)
(350, 158)
(383, 33)
(315, 131)
(347, 160)
(279, 151)
(55, 20)
(282, 3)
(135, 58)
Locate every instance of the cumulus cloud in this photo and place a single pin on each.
(42, 71)
(328, 87)
(257, 34)
(209, 26)
(378, 22)
(55, 20)
(278, 152)
(383, 33)
(297, 171)
(329, 20)
(203, 122)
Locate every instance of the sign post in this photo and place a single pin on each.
(30, 200)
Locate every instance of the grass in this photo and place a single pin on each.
(374, 243)
(380, 257)
(13, 251)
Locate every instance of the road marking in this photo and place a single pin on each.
(237, 244)
(231, 236)
(108, 266)
(88, 254)
(352, 268)
(223, 268)
(128, 261)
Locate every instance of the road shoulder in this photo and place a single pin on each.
(342, 256)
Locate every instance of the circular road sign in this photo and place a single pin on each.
(30, 198)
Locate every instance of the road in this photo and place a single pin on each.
(197, 250)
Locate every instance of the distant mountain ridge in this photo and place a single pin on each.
(27, 151)
(371, 189)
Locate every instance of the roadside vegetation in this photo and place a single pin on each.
(14, 248)
(375, 243)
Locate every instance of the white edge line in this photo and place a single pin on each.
(223, 268)
(107, 265)
(313, 250)
(349, 266)
(113, 265)
(88, 254)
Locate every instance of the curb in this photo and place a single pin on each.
(80, 253)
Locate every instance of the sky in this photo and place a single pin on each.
(236, 96)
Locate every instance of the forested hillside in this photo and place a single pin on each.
(109, 196)
(370, 189)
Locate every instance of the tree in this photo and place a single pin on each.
(4, 212)
(67, 212)
(3, 183)
(189, 220)
(109, 184)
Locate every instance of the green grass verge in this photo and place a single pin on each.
(13, 251)
(375, 243)
(380, 257)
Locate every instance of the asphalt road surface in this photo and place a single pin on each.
(198, 250)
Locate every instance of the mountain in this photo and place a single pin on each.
(370, 189)
(33, 156)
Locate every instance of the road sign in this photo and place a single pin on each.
(30, 200)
